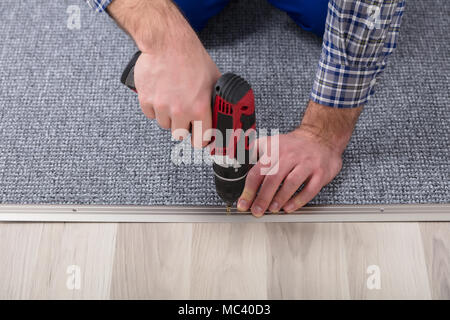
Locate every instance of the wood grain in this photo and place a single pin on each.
(229, 261)
(307, 261)
(152, 261)
(36, 258)
(436, 242)
(225, 260)
(19, 247)
(397, 250)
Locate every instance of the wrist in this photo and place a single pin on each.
(332, 127)
(154, 25)
(169, 29)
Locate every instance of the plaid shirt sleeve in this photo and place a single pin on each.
(98, 5)
(359, 37)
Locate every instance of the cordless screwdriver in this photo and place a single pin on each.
(233, 117)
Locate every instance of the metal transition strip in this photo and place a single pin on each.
(323, 213)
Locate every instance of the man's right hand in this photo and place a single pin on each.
(174, 86)
(174, 76)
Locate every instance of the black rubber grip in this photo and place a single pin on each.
(128, 74)
(231, 87)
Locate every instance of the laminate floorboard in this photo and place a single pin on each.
(224, 261)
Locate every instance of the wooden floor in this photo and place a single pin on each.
(224, 261)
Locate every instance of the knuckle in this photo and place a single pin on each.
(320, 172)
(292, 156)
(281, 197)
(198, 112)
(159, 102)
(176, 111)
(145, 100)
(290, 183)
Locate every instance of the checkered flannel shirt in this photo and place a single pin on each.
(98, 5)
(359, 37)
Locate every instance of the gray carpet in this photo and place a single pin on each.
(70, 133)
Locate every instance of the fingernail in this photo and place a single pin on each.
(257, 210)
(289, 208)
(242, 205)
(274, 207)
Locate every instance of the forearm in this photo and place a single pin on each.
(349, 66)
(333, 126)
(152, 24)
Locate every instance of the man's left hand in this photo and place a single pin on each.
(302, 159)
(310, 156)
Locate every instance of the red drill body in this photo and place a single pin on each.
(233, 115)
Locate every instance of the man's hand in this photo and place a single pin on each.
(310, 156)
(174, 75)
(175, 88)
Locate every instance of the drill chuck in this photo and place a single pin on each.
(229, 182)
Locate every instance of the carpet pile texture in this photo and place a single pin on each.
(70, 133)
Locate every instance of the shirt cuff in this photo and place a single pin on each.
(98, 5)
(342, 86)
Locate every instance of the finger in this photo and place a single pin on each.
(180, 128)
(206, 129)
(257, 147)
(201, 133)
(269, 187)
(164, 120)
(309, 191)
(255, 176)
(147, 107)
(291, 183)
(252, 182)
